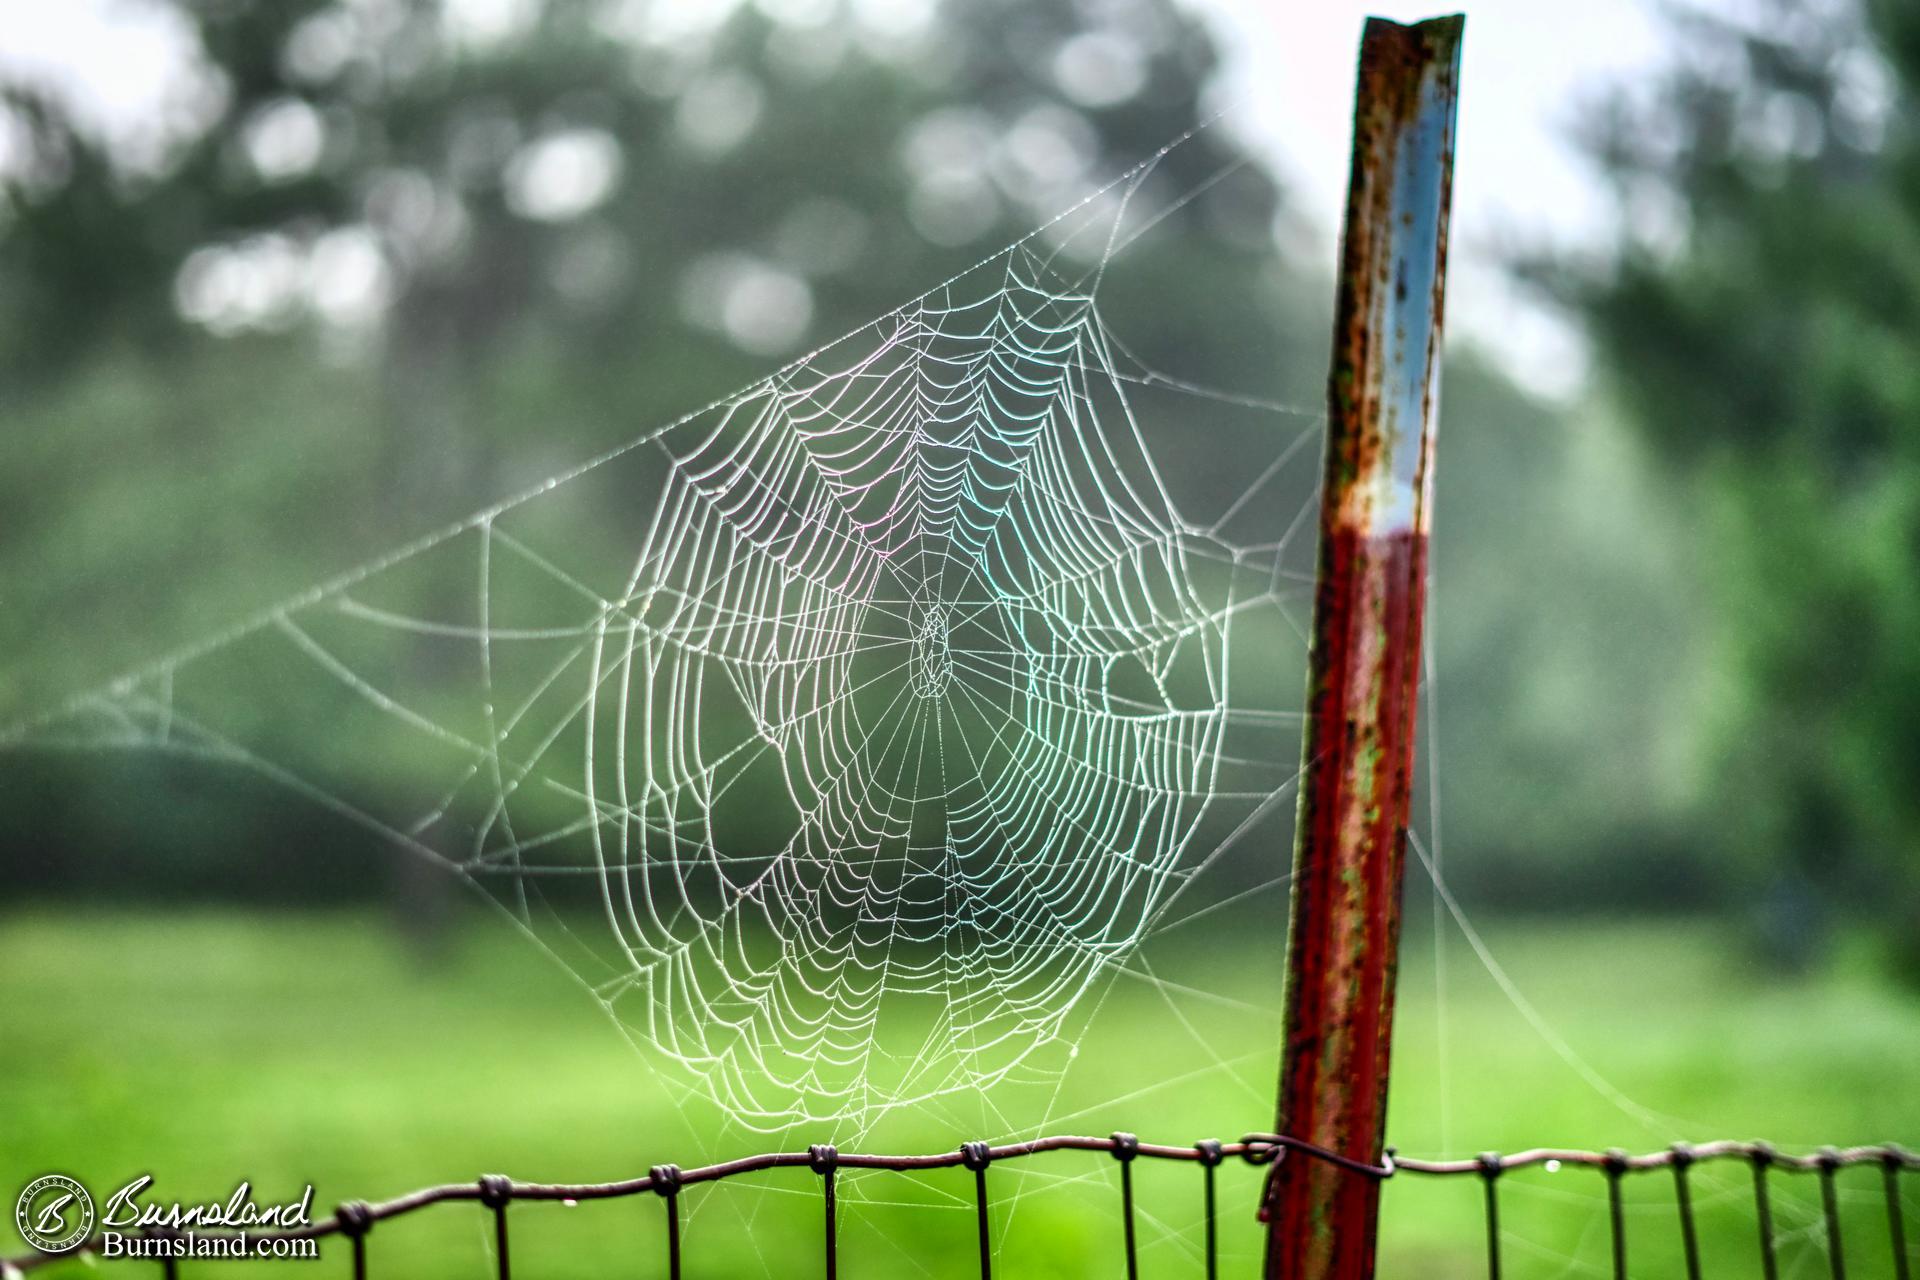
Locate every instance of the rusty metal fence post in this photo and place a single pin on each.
(1376, 508)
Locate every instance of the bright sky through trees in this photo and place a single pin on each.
(1290, 72)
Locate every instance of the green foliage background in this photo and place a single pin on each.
(1758, 324)
(167, 477)
(1676, 620)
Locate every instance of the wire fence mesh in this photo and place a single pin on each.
(355, 1220)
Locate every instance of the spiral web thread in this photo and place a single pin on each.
(912, 712)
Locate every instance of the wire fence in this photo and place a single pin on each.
(355, 1220)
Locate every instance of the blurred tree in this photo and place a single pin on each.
(382, 261)
(506, 198)
(1759, 319)
(389, 259)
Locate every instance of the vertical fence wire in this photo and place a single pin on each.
(1830, 1209)
(665, 1180)
(1490, 1165)
(824, 1159)
(673, 1237)
(1762, 1157)
(354, 1220)
(1125, 1147)
(1896, 1229)
(1683, 1199)
(1616, 1168)
(1210, 1156)
(975, 1156)
(495, 1191)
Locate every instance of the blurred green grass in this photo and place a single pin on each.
(203, 1048)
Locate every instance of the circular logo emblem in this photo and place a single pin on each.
(54, 1214)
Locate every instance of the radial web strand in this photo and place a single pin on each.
(908, 707)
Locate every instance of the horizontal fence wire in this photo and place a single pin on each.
(355, 1219)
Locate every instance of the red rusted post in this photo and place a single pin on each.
(1376, 508)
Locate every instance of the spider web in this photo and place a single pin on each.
(904, 699)
(906, 710)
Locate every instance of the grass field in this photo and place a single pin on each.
(207, 1048)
